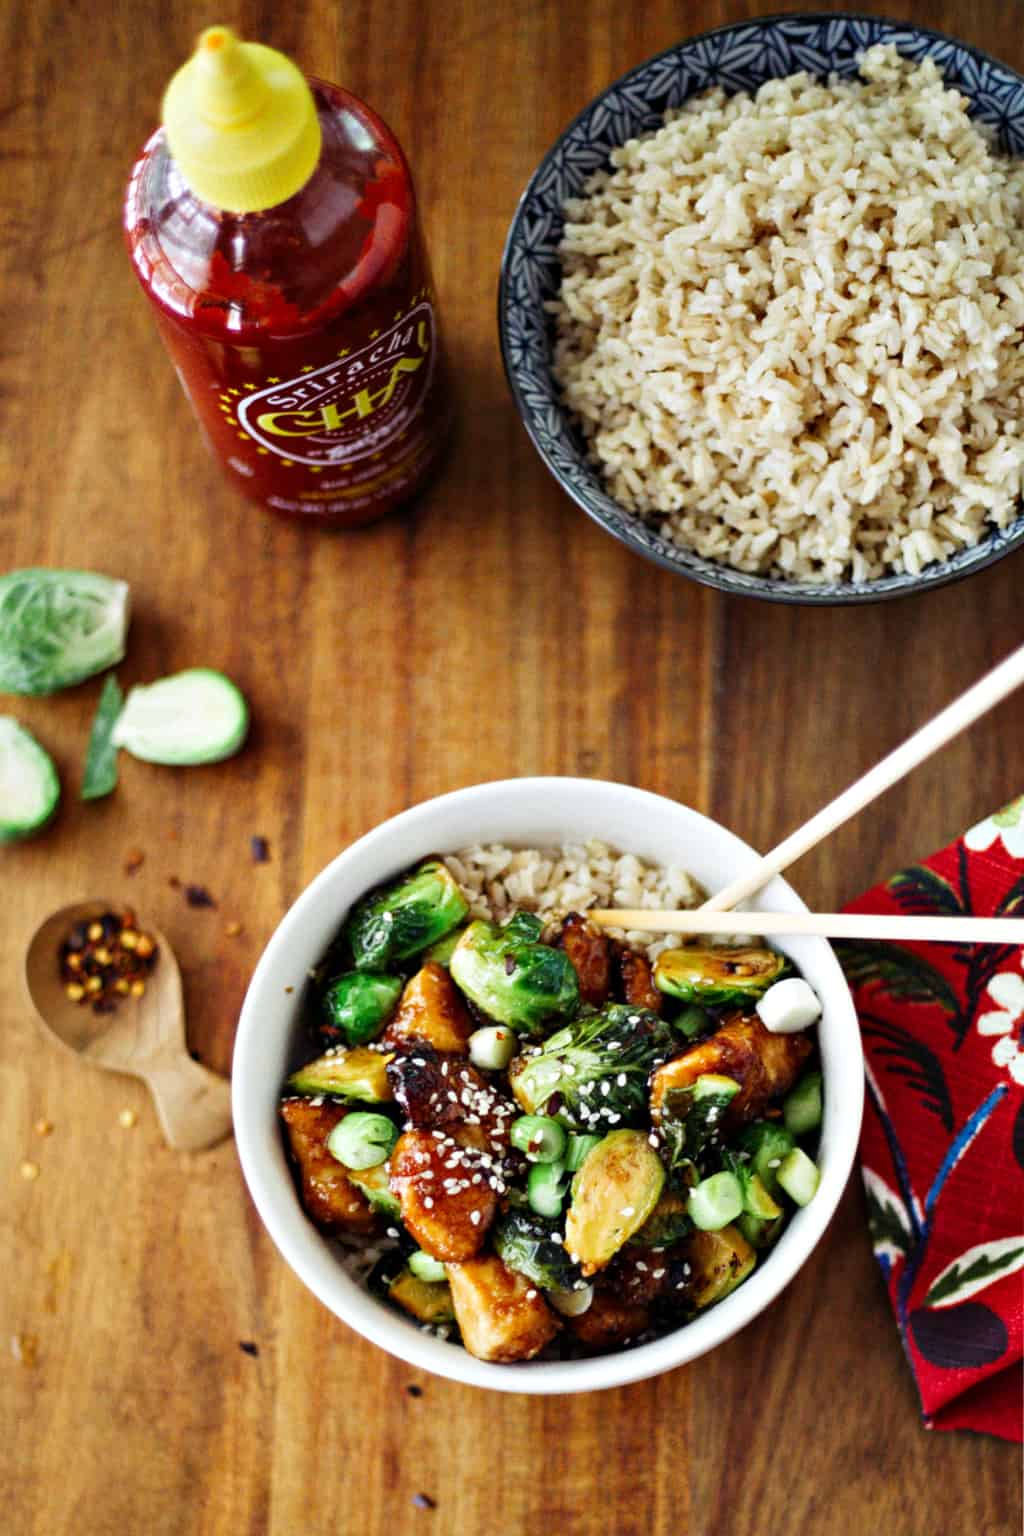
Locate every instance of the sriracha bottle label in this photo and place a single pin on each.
(349, 411)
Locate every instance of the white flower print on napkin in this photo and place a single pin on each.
(1006, 989)
(1007, 824)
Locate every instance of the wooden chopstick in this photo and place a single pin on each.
(949, 722)
(827, 925)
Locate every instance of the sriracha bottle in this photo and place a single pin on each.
(272, 224)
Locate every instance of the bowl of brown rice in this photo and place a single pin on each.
(762, 309)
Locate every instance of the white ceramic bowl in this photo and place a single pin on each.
(527, 813)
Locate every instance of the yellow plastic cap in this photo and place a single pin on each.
(241, 124)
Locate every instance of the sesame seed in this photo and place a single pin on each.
(531, 1293)
(474, 1217)
(428, 1201)
(29, 1170)
(628, 1210)
(127, 1118)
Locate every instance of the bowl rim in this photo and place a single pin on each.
(707, 572)
(315, 1261)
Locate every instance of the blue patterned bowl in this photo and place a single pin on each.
(739, 57)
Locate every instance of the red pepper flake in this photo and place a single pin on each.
(260, 850)
(106, 959)
(134, 860)
(198, 896)
(174, 883)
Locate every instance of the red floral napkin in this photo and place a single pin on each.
(942, 1151)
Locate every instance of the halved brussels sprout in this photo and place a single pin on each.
(530, 1245)
(427, 1301)
(718, 975)
(613, 1194)
(667, 1223)
(406, 917)
(596, 1068)
(719, 1262)
(356, 1074)
(512, 977)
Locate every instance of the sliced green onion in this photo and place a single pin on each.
(579, 1148)
(546, 1188)
(572, 1303)
(799, 1177)
(362, 1140)
(493, 1047)
(716, 1201)
(714, 1085)
(541, 1138)
(425, 1267)
(801, 1109)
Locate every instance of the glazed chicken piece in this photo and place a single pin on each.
(590, 954)
(609, 1321)
(764, 1065)
(430, 1009)
(636, 980)
(445, 1192)
(500, 1314)
(446, 1092)
(330, 1198)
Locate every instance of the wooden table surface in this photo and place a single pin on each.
(493, 632)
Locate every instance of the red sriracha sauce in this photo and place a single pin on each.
(303, 326)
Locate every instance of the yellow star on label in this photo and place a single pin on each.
(316, 469)
(250, 386)
(262, 450)
(374, 335)
(307, 368)
(398, 314)
(344, 351)
(234, 391)
(275, 380)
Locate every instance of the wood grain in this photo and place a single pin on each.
(493, 631)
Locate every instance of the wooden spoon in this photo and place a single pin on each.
(143, 1036)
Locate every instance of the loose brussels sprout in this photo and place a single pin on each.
(405, 917)
(359, 1004)
(356, 1074)
(531, 1245)
(718, 975)
(613, 1194)
(58, 627)
(593, 1074)
(512, 977)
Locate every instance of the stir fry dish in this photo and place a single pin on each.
(537, 1139)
